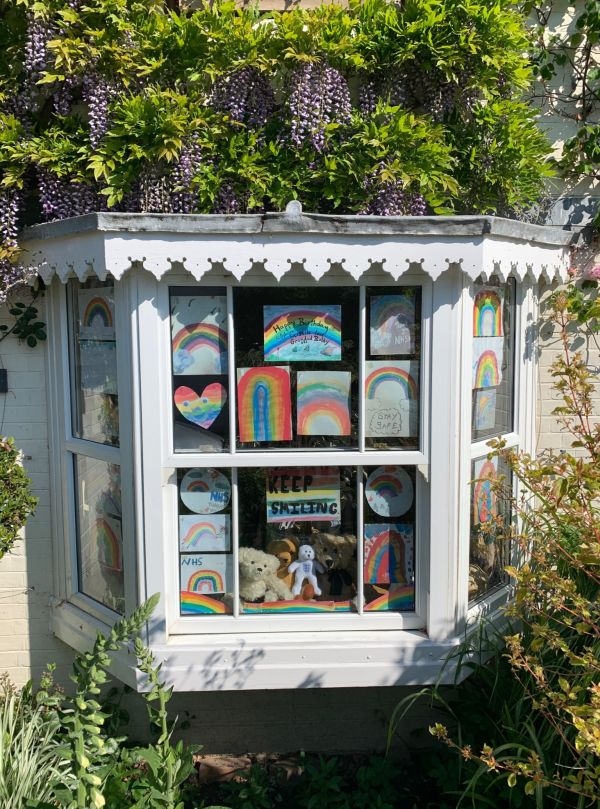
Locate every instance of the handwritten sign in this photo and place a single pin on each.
(302, 333)
(303, 494)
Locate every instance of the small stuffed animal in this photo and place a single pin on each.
(305, 567)
(285, 550)
(258, 577)
(337, 554)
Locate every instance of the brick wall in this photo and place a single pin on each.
(26, 574)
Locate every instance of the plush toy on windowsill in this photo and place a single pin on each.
(258, 577)
(305, 568)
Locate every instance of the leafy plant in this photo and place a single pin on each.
(324, 785)
(256, 789)
(16, 502)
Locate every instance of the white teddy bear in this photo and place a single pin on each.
(258, 577)
(305, 568)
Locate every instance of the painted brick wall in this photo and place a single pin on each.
(26, 574)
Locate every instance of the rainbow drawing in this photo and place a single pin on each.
(206, 581)
(484, 497)
(485, 409)
(210, 533)
(205, 491)
(264, 404)
(96, 314)
(204, 409)
(487, 361)
(197, 603)
(385, 553)
(392, 324)
(396, 599)
(389, 491)
(387, 373)
(296, 607)
(206, 572)
(487, 314)
(108, 536)
(303, 494)
(302, 333)
(200, 348)
(323, 403)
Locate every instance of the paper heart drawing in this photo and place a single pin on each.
(204, 409)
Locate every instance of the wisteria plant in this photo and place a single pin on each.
(379, 108)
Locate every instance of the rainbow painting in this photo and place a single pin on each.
(292, 607)
(487, 313)
(206, 573)
(199, 604)
(302, 333)
(199, 334)
(487, 361)
(202, 534)
(391, 398)
(484, 410)
(96, 314)
(303, 494)
(484, 501)
(385, 554)
(264, 404)
(392, 324)
(389, 491)
(323, 403)
(110, 545)
(205, 491)
(201, 409)
(396, 599)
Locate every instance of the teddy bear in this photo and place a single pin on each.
(258, 577)
(286, 551)
(305, 568)
(337, 554)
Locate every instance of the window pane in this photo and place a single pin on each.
(94, 392)
(392, 369)
(490, 552)
(99, 533)
(200, 371)
(297, 539)
(389, 538)
(296, 359)
(493, 359)
(205, 542)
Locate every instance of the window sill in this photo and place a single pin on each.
(278, 660)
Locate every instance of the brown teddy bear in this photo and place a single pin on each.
(337, 554)
(286, 551)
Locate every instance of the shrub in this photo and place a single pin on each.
(16, 503)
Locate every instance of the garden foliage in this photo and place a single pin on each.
(16, 502)
(386, 108)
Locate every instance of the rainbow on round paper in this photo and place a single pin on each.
(302, 333)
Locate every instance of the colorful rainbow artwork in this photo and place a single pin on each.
(487, 314)
(323, 403)
(485, 506)
(296, 607)
(389, 491)
(385, 553)
(202, 410)
(108, 535)
(96, 315)
(205, 491)
(202, 534)
(392, 324)
(396, 599)
(487, 361)
(206, 581)
(198, 603)
(206, 572)
(201, 345)
(302, 333)
(397, 374)
(303, 494)
(264, 404)
(485, 409)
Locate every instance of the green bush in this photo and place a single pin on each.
(16, 503)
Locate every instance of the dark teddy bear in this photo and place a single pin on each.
(337, 554)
